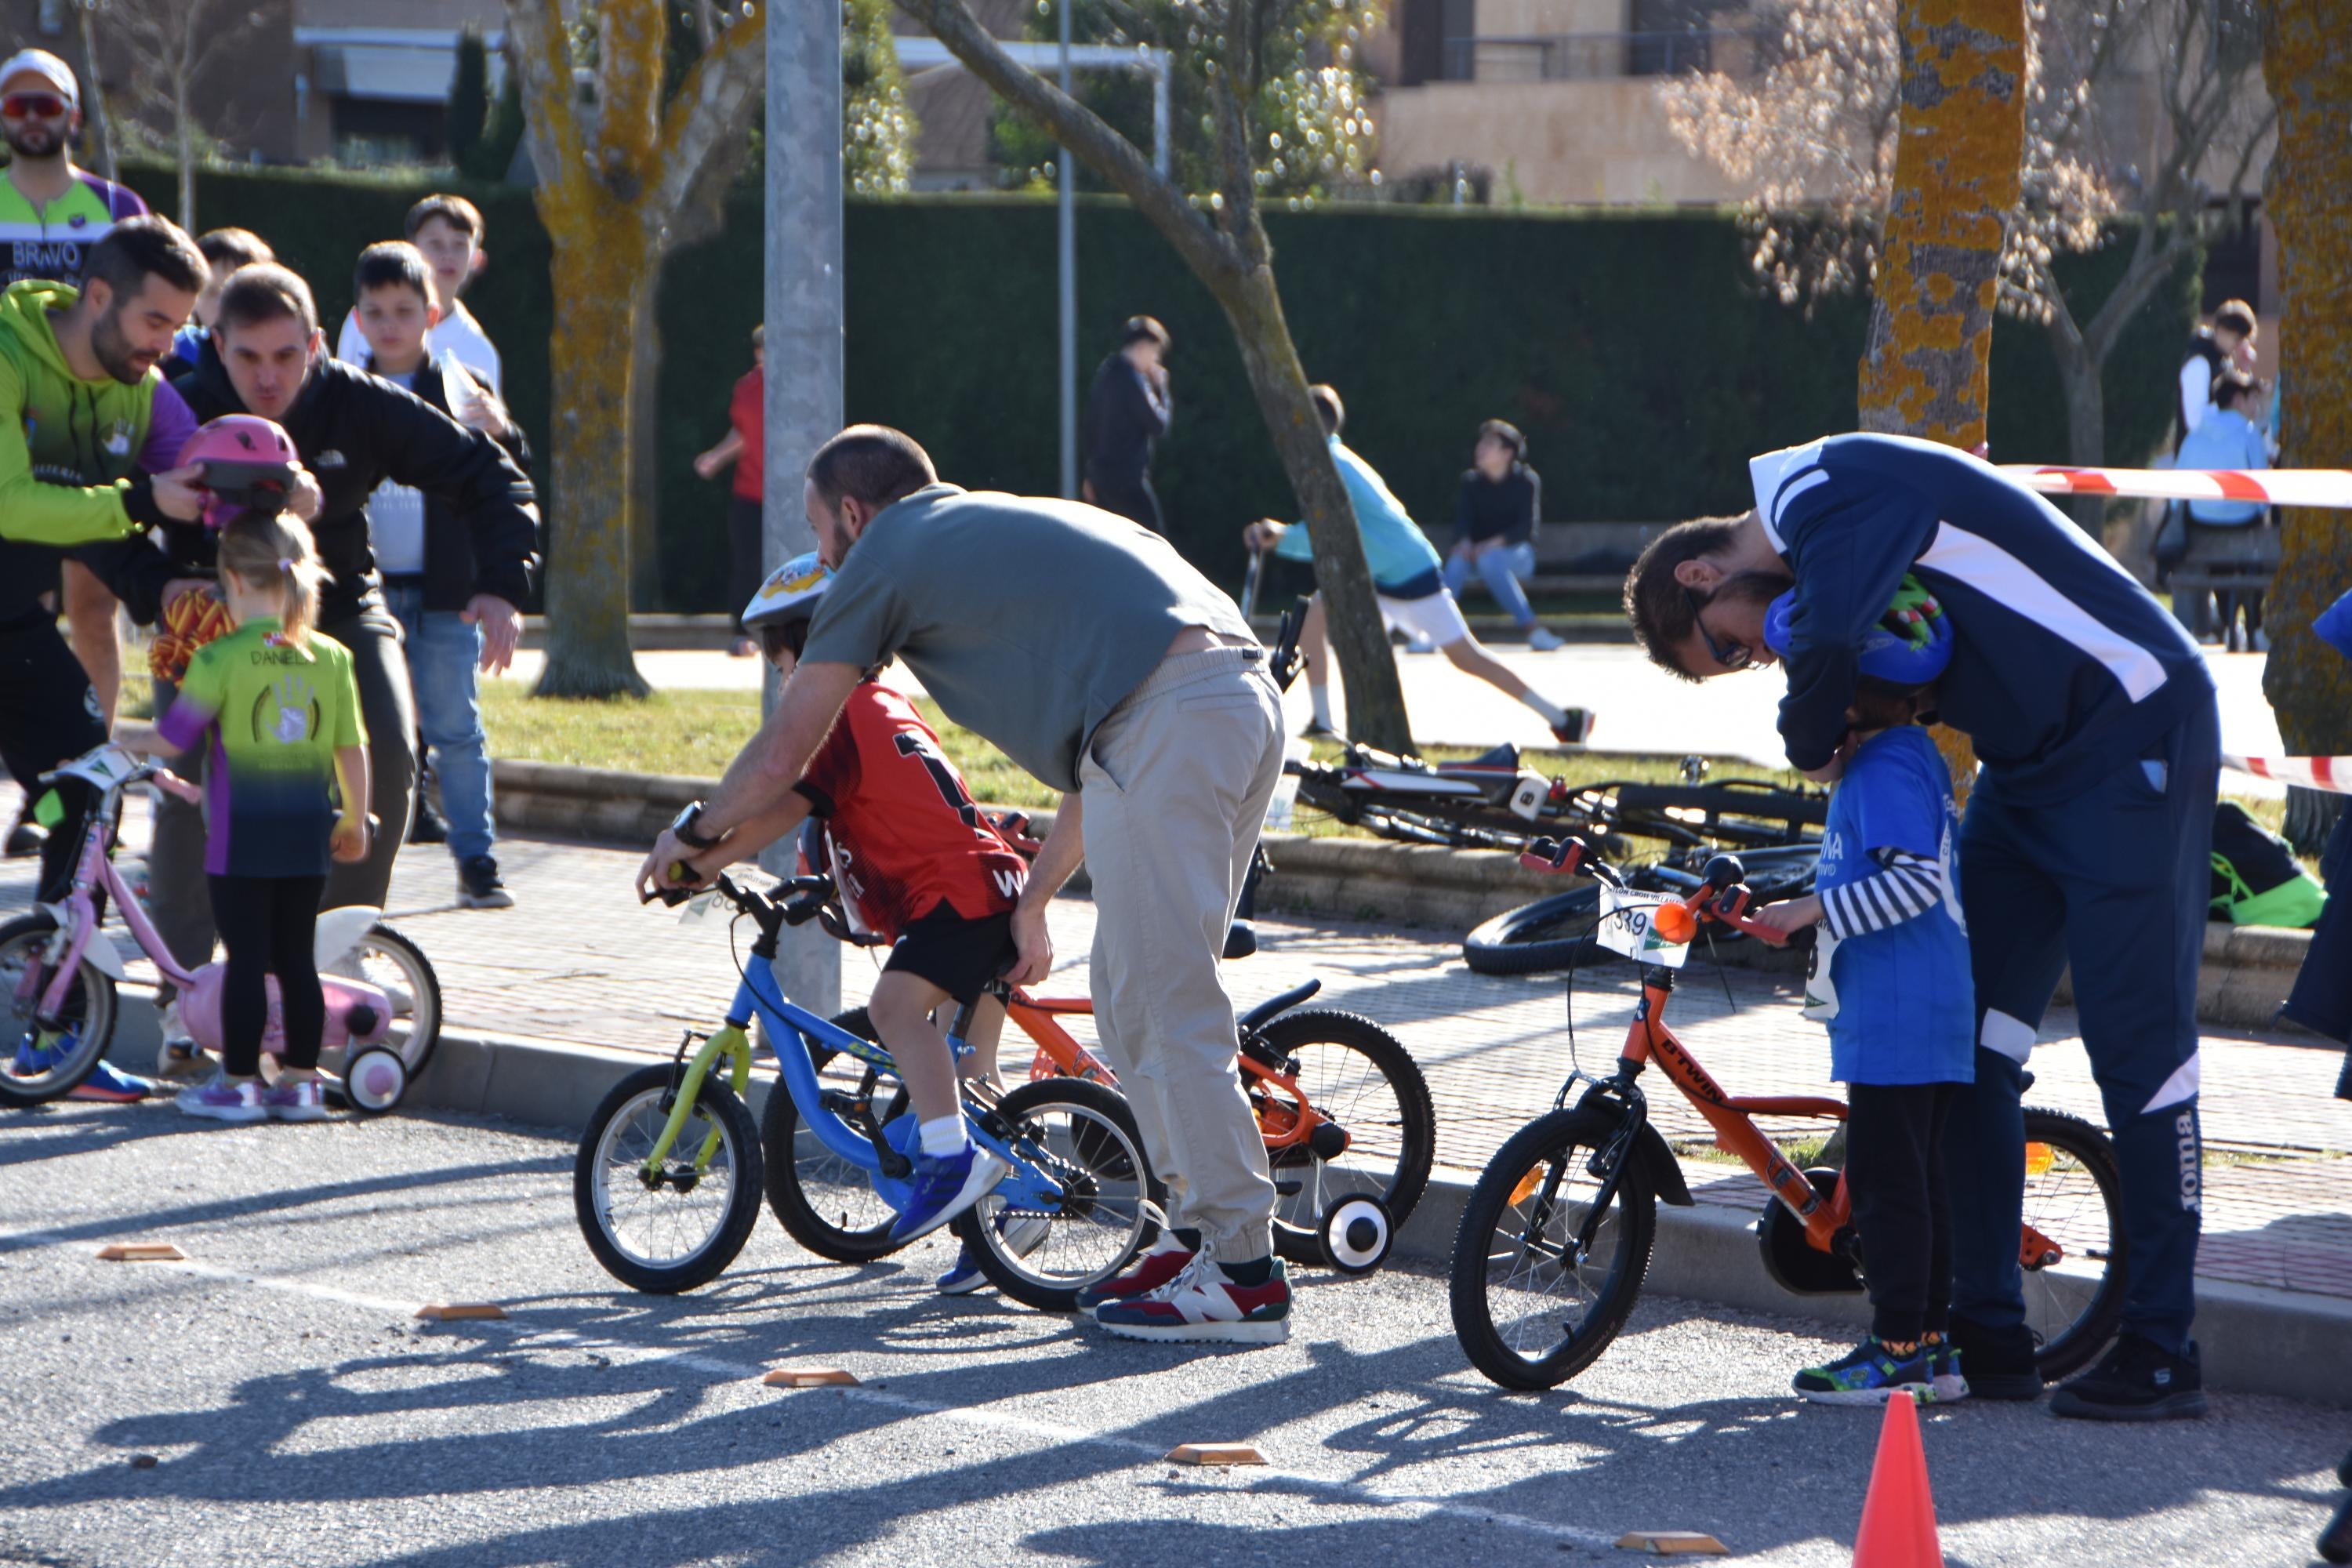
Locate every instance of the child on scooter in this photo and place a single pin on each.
(1890, 977)
(278, 711)
(916, 863)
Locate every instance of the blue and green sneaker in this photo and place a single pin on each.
(1869, 1374)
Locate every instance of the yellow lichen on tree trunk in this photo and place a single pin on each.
(1959, 149)
(2308, 64)
(610, 191)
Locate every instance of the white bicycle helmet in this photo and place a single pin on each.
(789, 596)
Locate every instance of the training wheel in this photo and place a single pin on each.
(1356, 1234)
(373, 1080)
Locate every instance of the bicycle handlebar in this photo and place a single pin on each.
(1724, 897)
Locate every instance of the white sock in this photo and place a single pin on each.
(1320, 696)
(1553, 714)
(942, 1137)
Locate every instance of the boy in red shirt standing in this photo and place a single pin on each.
(743, 446)
(919, 864)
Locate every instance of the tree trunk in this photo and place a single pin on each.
(95, 120)
(645, 446)
(588, 539)
(1376, 711)
(1959, 149)
(2082, 386)
(2307, 63)
(1957, 155)
(187, 155)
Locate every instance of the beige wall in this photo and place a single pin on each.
(1567, 142)
(1505, 18)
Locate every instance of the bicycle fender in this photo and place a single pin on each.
(1266, 1011)
(1665, 1171)
(104, 956)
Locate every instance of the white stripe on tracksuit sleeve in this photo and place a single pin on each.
(1906, 886)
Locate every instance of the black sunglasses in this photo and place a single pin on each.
(1738, 656)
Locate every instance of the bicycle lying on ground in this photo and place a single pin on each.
(59, 970)
(670, 1172)
(1695, 820)
(1344, 1110)
(1556, 1234)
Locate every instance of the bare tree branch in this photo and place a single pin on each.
(1104, 150)
(705, 131)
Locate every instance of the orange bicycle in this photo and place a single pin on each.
(1346, 1114)
(1556, 1237)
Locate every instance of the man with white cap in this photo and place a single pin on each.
(50, 210)
(50, 214)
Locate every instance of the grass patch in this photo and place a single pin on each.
(698, 733)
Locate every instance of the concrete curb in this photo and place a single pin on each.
(2255, 1341)
(2247, 972)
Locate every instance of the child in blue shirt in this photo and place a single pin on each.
(1890, 977)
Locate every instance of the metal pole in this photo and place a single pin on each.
(1159, 113)
(803, 257)
(1068, 239)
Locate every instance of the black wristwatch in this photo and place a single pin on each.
(682, 829)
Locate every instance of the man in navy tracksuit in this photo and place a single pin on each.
(2086, 838)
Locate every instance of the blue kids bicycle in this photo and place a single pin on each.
(670, 1178)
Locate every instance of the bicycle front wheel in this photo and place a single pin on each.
(1550, 933)
(680, 1226)
(824, 1202)
(2074, 1224)
(1531, 1306)
(38, 1065)
(1082, 1135)
(1358, 1078)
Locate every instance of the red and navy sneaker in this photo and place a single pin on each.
(1154, 1267)
(1204, 1303)
(1575, 728)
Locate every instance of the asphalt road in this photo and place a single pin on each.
(296, 1412)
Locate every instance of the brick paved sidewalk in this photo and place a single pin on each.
(577, 959)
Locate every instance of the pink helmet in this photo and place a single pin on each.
(249, 464)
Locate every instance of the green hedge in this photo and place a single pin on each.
(1629, 346)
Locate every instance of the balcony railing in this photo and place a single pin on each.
(1592, 56)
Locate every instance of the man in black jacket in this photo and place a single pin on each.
(1127, 411)
(353, 432)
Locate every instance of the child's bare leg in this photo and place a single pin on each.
(901, 1010)
(1315, 648)
(987, 1031)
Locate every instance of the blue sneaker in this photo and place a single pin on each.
(944, 1188)
(39, 1052)
(1869, 1374)
(115, 1088)
(964, 1277)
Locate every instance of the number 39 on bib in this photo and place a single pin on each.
(1628, 926)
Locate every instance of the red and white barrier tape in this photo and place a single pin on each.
(2333, 773)
(2276, 487)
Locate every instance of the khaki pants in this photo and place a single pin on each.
(1174, 787)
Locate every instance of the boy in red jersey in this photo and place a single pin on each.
(917, 864)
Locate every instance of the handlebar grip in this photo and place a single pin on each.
(673, 897)
(1731, 908)
(1560, 855)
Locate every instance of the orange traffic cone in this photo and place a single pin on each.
(1898, 1516)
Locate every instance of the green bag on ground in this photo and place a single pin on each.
(2257, 880)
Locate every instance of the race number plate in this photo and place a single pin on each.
(1625, 927)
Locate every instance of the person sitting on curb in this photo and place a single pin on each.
(1496, 514)
(1410, 582)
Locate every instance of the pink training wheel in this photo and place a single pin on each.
(374, 1080)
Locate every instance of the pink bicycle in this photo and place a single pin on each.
(59, 969)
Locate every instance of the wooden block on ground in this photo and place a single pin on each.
(141, 1252)
(455, 1311)
(1217, 1454)
(809, 1377)
(1673, 1542)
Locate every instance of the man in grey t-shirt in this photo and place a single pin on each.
(1088, 650)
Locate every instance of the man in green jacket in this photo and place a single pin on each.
(89, 439)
